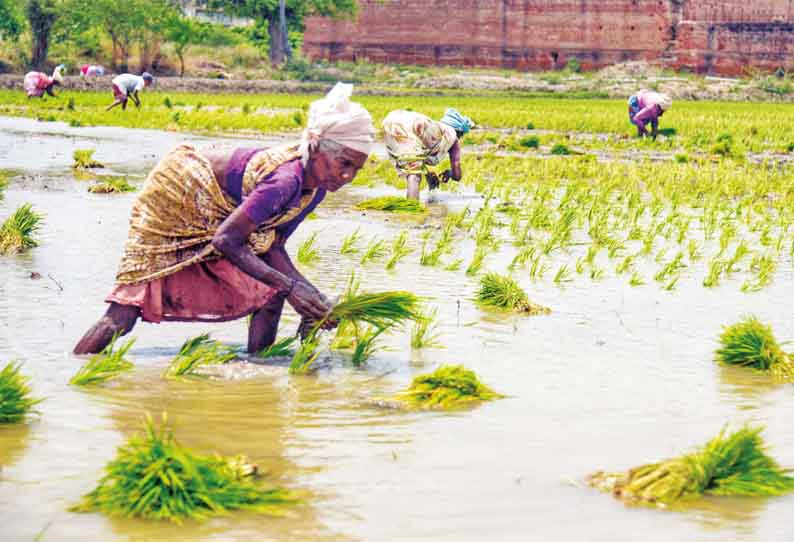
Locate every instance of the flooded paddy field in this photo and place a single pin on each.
(614, 377)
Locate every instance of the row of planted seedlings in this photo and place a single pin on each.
(574, 218)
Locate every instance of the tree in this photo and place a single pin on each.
(41, 15)
(295, 12)
(182, 32)
(10, 19)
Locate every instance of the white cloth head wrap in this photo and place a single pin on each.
(338, 119)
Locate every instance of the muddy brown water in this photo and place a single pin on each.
(614, 377)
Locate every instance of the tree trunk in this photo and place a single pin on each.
(181, 64)
(41, 16)
(277, 52)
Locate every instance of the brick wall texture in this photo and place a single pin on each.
(706, 36)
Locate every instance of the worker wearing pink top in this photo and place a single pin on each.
(646, 107)
(36, 84)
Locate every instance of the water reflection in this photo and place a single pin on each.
(14, 440)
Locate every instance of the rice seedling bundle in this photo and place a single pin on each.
(198, 352)
(448, 387)
(15, 399)
(729, 464)
(17, 232)
(503, 292)
(111, 185)
(392, 204)
(103, 366)
(85, 159)
(752, 344)
(154, 477)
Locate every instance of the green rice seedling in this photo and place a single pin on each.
(167, 102)
(101, 367)
(3, 184)
(305, 355)
(596, 273)
(376, 249)
(15, 400)
(525, 254)
(154, 477)
(423, 331)
(733, 464)
(456, 220)
(563, 275)
(671, 284)
(454, 265)
(625, 264)
(111, 185)
(560, 149)
(503, 292)
(392, 204)
(17, 232)
(716, 268)
(636, 279)
(198, 352)
(279, 349)
(580, 265)
(448, 387)
(307, 252)
(693, 250)
(538, 268)
(477, 260)
(750, 343)
(84, 159)
(349, 243)
(739, 254)
(765, 267)
(399, 250)
(592, 252)
(366, 345)
(672, 267)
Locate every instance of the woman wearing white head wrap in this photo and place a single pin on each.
(208, 231)
(36, 84)
(646, 107)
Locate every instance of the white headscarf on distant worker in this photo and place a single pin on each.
(338, 119)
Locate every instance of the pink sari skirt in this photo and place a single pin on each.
(214, 291)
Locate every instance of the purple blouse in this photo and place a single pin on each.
(273, 195)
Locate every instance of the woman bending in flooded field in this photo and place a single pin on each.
(208, 231)
(416, 142)
(645, 108)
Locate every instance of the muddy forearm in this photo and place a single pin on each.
(278, 258)
(245, 259)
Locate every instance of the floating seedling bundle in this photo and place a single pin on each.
(16, 233)
(392, 204)
(448, 387)
(84, 159)
(198, 352)
(15, 400)
(750, 343)
(503, 292)
(155, 477)
(733, 464)
(103, 366)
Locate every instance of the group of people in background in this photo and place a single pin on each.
(125, 86)
(416, 143)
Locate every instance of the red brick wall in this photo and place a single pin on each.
(722, 36)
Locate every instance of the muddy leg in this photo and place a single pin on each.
(413, 186)
(119, 319)
(264, 325)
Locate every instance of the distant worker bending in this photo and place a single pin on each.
(36, 84)
(416, 143)
(646, 107)
(127, 86)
